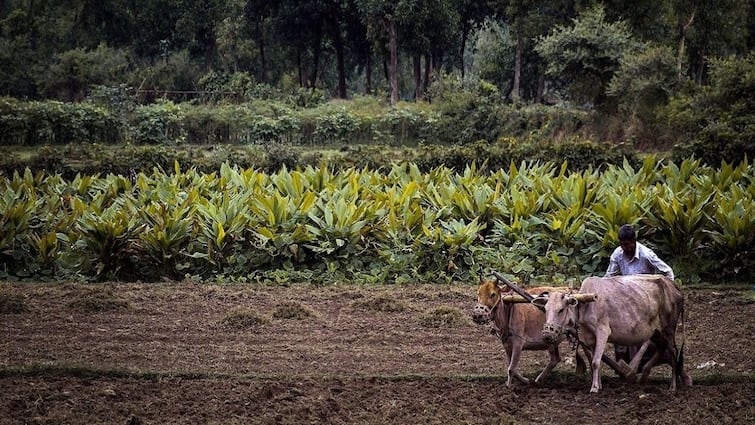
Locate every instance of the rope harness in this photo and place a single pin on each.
(506, 334)
(571, 333)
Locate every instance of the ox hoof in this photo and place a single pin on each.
(593, 390)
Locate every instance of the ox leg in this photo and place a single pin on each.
(672, 350)
(516, 353)
(581, 366)
(555, 357)
(601, 338)
(507, 353)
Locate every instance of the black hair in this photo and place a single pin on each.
(626, 233)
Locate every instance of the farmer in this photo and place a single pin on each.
(632, 257)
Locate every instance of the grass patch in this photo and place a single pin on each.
(382, 303)
(444, 317)
(97, 302)
(13, 304)
(293, 310)
(243, 318)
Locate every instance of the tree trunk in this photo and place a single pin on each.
(263, 61)
(682, 37)
(517, 69)
(393, 68)
(464, 37)
(540, 87)
(317, 46)
(338, 45)
(426, 82)
(299, 71)
(700, 66)
(368, 75)
(417, 76)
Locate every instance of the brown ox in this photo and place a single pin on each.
(518, 325)
(628, 310)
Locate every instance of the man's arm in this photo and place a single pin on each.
(660, 265)
(613, 266)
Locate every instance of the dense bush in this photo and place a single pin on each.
(453, 118)
(52, 122)
(71, 74)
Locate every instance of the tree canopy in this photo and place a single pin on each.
(352, 46)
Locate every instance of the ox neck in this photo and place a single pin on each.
(502, 314)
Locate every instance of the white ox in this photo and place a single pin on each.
(628, 310)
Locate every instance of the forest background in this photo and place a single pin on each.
(643, 88)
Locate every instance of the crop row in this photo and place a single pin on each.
(534, 221)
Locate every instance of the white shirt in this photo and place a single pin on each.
(644, 261)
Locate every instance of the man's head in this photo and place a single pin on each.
(627, 240)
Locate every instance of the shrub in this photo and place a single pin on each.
(158, 124)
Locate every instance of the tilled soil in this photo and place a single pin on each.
(191, 353)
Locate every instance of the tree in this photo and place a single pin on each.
(527, 20)
(493, 58)
(379, 17)
(586, 55)
(426, 28)
(716, 28)
(644, 83)
(719, 118)
(196, 28)
(71, 74)
(472, 15)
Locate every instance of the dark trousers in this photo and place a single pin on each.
(627, 353)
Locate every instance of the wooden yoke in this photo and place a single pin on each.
(585, 298)
(527, 296)
(510, 298)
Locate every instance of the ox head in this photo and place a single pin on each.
(488, 298)
(560, 314)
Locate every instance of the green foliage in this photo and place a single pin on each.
(456, 116)
(586, 54)
(158, 124)
(645, 81)
(176, 71)
(17, 208)
(36, 123)
(493, 54)
(718, 119)
(72, 73)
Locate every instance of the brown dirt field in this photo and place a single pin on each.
(195, 353)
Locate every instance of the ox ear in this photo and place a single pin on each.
(540, 300)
